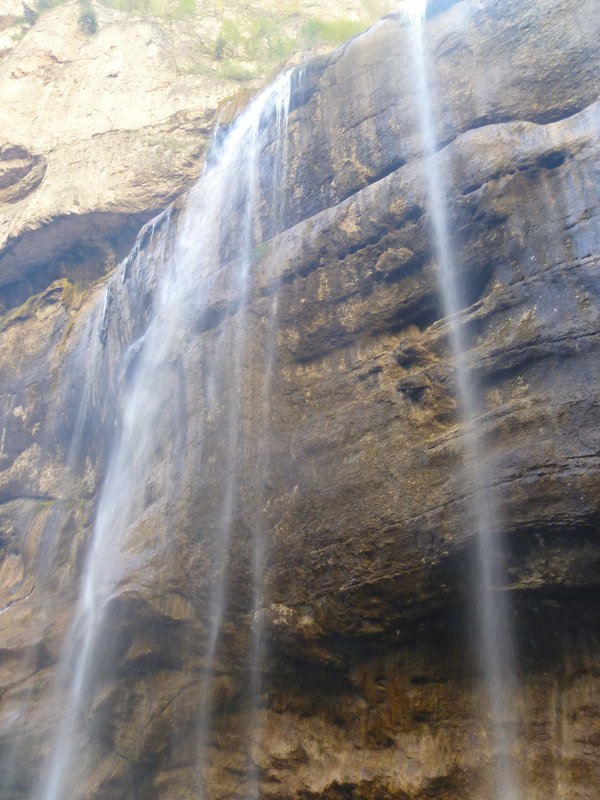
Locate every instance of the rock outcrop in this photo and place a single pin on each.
(351, 474)
(100, 131)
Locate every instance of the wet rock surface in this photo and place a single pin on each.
(353, 469)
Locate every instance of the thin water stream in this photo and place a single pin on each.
(494, 636)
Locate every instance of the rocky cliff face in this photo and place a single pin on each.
(370, 681)
(99, 131)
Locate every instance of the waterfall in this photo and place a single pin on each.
(152, 308)
(494, 637)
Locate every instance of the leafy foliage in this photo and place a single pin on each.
(166, 9)
(88, 21)
(45, 5)
(186, 6)
(235, 71)
(152, 7)
(263, 38)
(335, 31)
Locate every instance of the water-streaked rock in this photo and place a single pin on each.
(369, 679)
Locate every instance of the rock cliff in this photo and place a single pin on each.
(99, 131)
(369, 684)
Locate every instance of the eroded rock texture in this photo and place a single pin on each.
(351, 473)
(99, 131)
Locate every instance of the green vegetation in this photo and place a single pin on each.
(261, 251)
(236, 72)
(44, 5)
(43, 505)
(251, 42)
(88, 21)
(335, 31)
(62, 287)
(154, 8)
(19, 314)
(377, 8)
(229, 41)
(266, 40)
(157, 8)
(69, 290)
(260, 41)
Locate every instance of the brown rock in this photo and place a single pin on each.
(369, 686)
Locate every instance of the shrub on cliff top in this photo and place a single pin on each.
(44, 5)
(88, 21)
(334, 31)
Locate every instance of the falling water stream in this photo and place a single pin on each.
(218, 224)
(494, 635)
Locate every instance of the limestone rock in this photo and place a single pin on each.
(99, 132)
(368, 685)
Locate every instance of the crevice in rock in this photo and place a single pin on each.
(21, 172)
(37, 498)
(508, 361)
(82, 248)
(388, 169)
